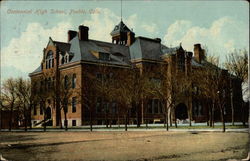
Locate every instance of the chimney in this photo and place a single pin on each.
(71, 35)
(130, 38)
(83, 33)
(198, 53)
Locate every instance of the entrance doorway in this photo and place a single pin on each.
(48, 113)
(181, 111)
(48, 117)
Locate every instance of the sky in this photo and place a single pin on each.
(220, 26)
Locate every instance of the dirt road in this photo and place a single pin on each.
(137, 145)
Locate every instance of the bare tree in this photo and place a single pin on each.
(161, 87)
(212, 84)
(41, 91)
(104, 85)
(64, 95)
(123, 90)
(89, 95)
(9, 97)
(237, 64)
(130, 90)
(25, 98)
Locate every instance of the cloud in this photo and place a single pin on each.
(25, 52)
(100, 25)
(152, 28)
(221, 37)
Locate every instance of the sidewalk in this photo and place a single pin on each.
(150, 127)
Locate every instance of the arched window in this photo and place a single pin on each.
(74, 81)
(49, 60)
(66, 82)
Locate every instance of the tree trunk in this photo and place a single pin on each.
(126, 122)
(91, 123)
(106, 118)
(207, 112)
(25, 123)
(66, 121)
(58, 107)
(190, 123)
(11, 115)
(44, 118)
(222, 119)
(118, 120)
(210, 116)
(213, 114)
(232, 107)
(30, 123)
(137, 116)
(164, 122)
(170, 117)
(166, 118)
(60, 122)
(110, 122)
(243, 114)
(25, 119)
(175, 122)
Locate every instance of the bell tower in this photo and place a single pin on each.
(122, 35)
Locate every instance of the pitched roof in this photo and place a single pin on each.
(146, 48)
(62, 46)
(121, 27)
(83, 50)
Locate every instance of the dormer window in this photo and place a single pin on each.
(104, 56)
(49, 60)
(65, 58)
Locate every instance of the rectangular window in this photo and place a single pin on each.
(73, 122)
(73, 104)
